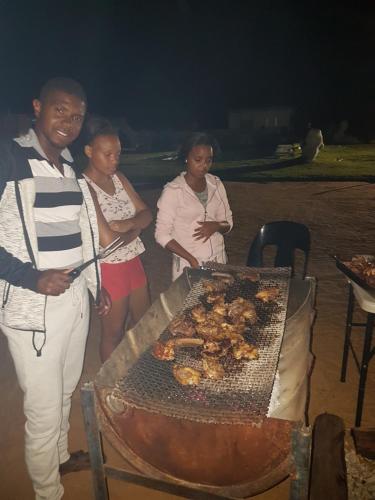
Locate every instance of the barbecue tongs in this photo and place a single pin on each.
(114, 245)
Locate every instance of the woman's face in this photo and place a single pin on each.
(199, 160)
(104, 153)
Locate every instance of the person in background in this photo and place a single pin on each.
(193, 209)
(48, 225)
(122, 272)
(312, 144)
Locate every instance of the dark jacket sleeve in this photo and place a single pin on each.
(16, 272)
(13, 270)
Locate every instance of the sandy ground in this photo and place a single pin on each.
(340, 219)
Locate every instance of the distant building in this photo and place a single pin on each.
(269, 119)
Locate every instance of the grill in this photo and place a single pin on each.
(176, 434)
(244, 394)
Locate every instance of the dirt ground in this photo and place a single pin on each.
(340, 219)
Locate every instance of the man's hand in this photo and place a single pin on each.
(53, 281)
(205, 230)
(105, 303)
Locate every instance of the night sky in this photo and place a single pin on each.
(184, 63)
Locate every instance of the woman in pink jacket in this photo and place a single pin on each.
(193, 210)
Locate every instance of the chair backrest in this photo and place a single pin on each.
(287, 236)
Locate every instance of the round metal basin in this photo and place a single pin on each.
(236, 460)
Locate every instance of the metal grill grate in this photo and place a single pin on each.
(245, 391)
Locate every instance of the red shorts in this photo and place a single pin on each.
(120, 279)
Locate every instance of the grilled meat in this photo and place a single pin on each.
(198, 313)
(364, 267)
(209, 331)
(165, 351)
(219, 349)
(220, 307)
(250, 276)
(241, 309)
(235, 338)
(213, 297)
(181, 326)
(268, 295)
(187, 342)
(186, 375)
(217, 285)
(217, 330)
(212, 368)
(243, 350)
(230, 329)
(225, 278)
(211, 347)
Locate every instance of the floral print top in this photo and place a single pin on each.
(118, 206)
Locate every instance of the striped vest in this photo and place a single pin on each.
(57, 207)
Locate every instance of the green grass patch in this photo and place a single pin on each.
(356, 162)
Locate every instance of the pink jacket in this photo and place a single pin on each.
(179, 210)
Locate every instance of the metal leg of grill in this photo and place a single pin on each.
(366, 357)
(301, 454)
(348, 331)
(94, 442)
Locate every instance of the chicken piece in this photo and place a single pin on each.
(211, 298)
(368, 269)
(198, 313)
(164, 351)
(209, 331)
(209, 286)
(235, 338)
(268, 295)
(243, 350)
(236, 306)
(181, 326)
(249, 276)
(219, 348)
(187, 342)
(225, 278)
(186, 375)
(240, 310)
(211, 347)
(250, 315)
(214, 318)
(220, 307)
(233, 328)
(212, 369)
(213, 285)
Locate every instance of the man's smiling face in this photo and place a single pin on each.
(59, 119)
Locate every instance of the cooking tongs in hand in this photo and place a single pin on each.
(114, 245)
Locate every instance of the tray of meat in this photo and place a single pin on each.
(360, 269)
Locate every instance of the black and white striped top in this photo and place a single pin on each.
(57, 207)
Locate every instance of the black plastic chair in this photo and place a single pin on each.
(287, 236)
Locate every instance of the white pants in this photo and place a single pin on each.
(48, 382)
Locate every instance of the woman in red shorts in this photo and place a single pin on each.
(122, 271)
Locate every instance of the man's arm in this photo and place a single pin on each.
(24, 275)
(16, 272)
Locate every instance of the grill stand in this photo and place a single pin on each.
(366, 303)
(300, 466)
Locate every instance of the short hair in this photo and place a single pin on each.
(198, 139)
(96, 126)
(67, 85)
